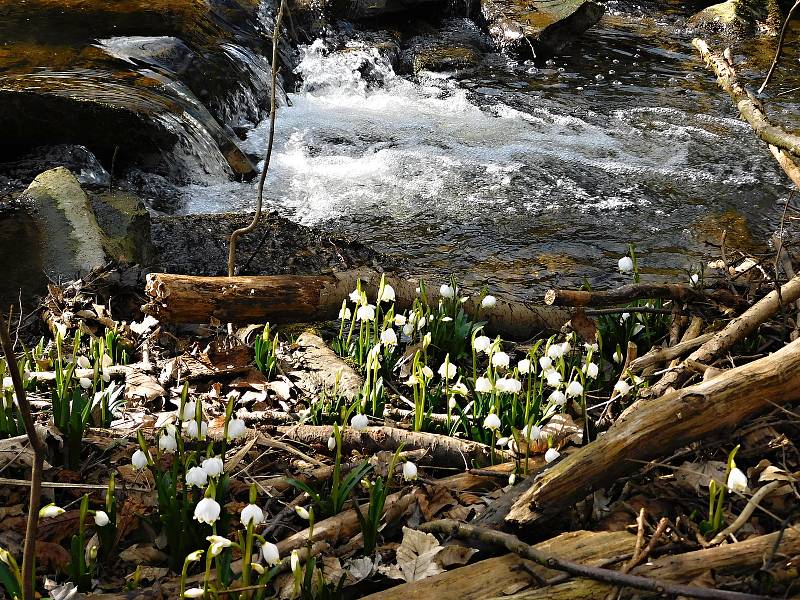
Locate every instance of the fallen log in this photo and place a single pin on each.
(320, 368)
(781, 143)
(308, 298)
(660, 426)
(445, 451)
(638, 582)
(683, 294)
(734, 332)
(658, 355)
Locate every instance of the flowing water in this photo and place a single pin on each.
(520, 175)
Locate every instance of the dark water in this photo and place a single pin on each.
(521, 175)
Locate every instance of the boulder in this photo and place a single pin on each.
(456, 44)
(530, 28)
(739, 16)
(125, 223)
(71, 238)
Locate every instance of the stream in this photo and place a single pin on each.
(520, 175)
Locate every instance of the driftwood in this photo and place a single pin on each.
(321, 368)
(781, 143)
(345, 525)
(638, 582)
(638, 291)
(658, 355)
(660, 426)
(297, 299)
(445, 451)
(734, 332)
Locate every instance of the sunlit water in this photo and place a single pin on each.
(519, 175)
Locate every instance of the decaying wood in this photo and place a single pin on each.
(660, 426)
(509, 573)
(729, 559)
(734, 332)
(345, 524)
(639, 582)
(658, 355)
(637, 291)
(306, 298)
(445, 451)
(323, 369)
(752, 111)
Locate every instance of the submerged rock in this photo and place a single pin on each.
(198, 245)
(457, 44)
(529, 28)
(72, 240)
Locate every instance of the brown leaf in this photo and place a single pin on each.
(693, 476)
(434, 499)
(415, 557)
(143, 553)
(142, 387)
(53, 557)
(454, 555)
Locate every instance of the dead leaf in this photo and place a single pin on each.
(144, 573)
(773, 473)
(693, 476)
(454, 555)
(143, 553)
(142, 387)
(435, 498)
(415, 557)
(15, 452)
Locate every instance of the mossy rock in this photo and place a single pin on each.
(125, 222)
(739, 16)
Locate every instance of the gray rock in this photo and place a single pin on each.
(529, 28)
(72, 240)
(125, 222)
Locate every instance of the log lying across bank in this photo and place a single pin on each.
(782, 144)
(659, 426)
(306, 298)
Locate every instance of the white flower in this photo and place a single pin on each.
(388, 294)
(355, 296)
(555, 351)
(624, 317)
(213, 466)
(625, 264)
(737, 481)
(101, 518)
(85, 382)
(591, 346)
(365, 313)
(447, 370)
(207, 511)
(545, 362)
(420, 324)
(492, 421)
(294, 562)
(524, 366)
(167, 443)
(188, 413)
(106, 377)
(252, 513)
(331, 443)
(481, 343)
(196, 476)
(459, 388)
(194, 593)
(531, 433)
(483, 385)
(399, 320)
(51, 510)
(194, 556)
(427, 372)
(359, 421)
(622, 388)
(512, 479)
(574, 389)
(84, 362)
(488, 301)
(694, 279)
(566, 347)
(270, 553)
(508, 385)
(551, 455)
(409, 470)
(446, 291)
(554, 379)
(637, 329)
(503, 442)
(302, 513)
(558, 398)
(236, 428)
(446, 319)
(218, 544)
(106, 361)
(191, 429)
(389, 337)
(345, 313)
(500, 360)
(139, 460)
(591, 370)
(617, 357)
